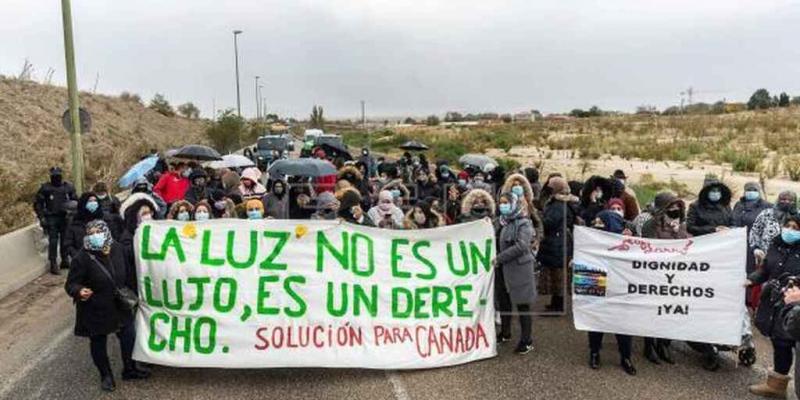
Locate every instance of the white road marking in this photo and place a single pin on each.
(398, 387)
(43, 354)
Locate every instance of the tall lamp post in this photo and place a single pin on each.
(258, 97)
(72, 90)
(236, 54)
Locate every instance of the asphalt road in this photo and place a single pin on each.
(41, 359)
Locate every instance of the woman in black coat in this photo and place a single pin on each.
(783, 259)
(88, 209)
(97, 312)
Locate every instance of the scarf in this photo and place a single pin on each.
(101, 227)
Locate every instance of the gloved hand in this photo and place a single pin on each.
(759, 256)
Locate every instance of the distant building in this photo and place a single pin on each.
(525, 116)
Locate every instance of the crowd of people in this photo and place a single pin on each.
(533, 219)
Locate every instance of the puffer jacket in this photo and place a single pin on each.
(704, 216)
(559, 217)
(515, 257)
(530, 203)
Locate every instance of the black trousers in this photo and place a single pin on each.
(505, 307)
(623, 344)
(782, 355)
(56, 232)
(99, 349)
(653, 342)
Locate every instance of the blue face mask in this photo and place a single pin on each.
(92, 206)
(201, 216)
(505, 208)
(517, 190)
(462, 183)
(254, 214)
(395, 193)
(752, 195)
(183, 216)
(97, 241)
(790, 236)
(714, 196)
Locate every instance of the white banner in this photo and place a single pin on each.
(277, 293)
(689, 289)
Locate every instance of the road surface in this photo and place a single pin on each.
(41, 359)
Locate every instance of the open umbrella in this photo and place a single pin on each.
(301, 167)
(137, 171)
(413, 145)
(232, 161)
(336, 150)
(198, 152)
(477, 160)
(170, 153)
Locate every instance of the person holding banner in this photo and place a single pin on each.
(781, 265)
(515, 286)
(668, 221)
(95, 276)
(611, 221)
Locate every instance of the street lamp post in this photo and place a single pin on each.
(236, 55)
(258, 106)
(72, 90)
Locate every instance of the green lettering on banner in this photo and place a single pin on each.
(184, 334)
(263, 294)
(176, 303)
(283, 238)
(332, 309)
(419, 302)
(301, 304)
(461, 301)
(231, 300)
(171, 239)
(152, 341)
(148, 293)
(205, 255)
(441, 306)
(485, 258)
(199, 282)
(354, 255)
(431, 274)
(340, 256)
(409, 297)
(464, 258)
(369, 302)
(396, 258)
(251, 258)
(198, 335)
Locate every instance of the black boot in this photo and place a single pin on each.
(54, 268)
(628, 367)
(107, 383)
(650, 352)
(132, 372)
(664, 353)
(711, 361)
(503, 337)
(594, 360)
(556, 304)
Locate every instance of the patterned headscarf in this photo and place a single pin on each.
(102, 227)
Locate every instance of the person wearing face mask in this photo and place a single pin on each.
(350, 209)
(426, 185)
(327, 207)
(515, 286)
(594, 196)
(620, 183)
(711, 212)
(276, 202)
(181, 211)
(521, 187)
(172, 186)
(222, 206)
(198, 190)
(479, 182)
(745, 212)
(136, 209)
(250, 186)
(88, 209)
(108, 202)
(386, 214)
(783, 259)
(254, 209)
(423, 216)
(202, 211)
(667, 222)
(477, 204)
(50, 206)
(611, 220)
(399, 191)
(767, 225)
(558, 218)
(97, 270)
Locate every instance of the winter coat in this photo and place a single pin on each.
(764, 230)
(791, 325)
(744, 215)
(469, 199)
(110, 204)
(515, 257)
(560, 212)
(704, 216)
(530, 203)
(171, 187)
(782, 260)
(589, 208)
(99, 315)
(76, 230)
(257, 190)
(51, 200)
(197, 193)
(276, 206)
(657, 227)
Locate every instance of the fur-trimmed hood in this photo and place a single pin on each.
(137, 198)
(409, 222)
(173, 210)
(522, 180)
(351, 174)
(472, 196)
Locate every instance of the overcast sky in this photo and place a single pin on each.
(416, 57)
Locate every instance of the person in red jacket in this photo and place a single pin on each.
(172, 185)
(324, 183)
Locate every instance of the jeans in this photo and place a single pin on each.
(623, 344)
(99, 349)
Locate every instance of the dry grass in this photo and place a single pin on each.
(32, 140)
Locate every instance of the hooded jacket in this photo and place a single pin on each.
(196, 193)
(73, 239)
(468, 203)
(514, 255)
(257, 190)
(559, 217)
(658, 226)
(530, 202)
(589, 208)
(704, 216)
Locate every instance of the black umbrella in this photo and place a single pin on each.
(413, 145)
(336, 150)
(301, 167)
(198, 152)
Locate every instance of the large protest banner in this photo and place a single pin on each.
(676, 289)
(276, 293)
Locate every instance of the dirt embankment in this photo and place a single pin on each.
(32, 140)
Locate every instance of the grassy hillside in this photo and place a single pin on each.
(32, 140)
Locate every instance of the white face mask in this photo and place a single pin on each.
(619, 212)
(201, 216)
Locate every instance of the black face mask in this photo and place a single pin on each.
(480, 211)
(674, 214)
(784, 207)
(56, 180)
